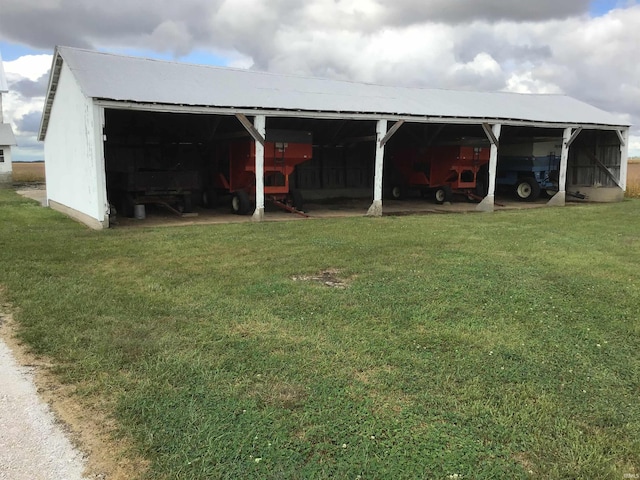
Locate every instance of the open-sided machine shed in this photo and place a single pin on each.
(104, 110)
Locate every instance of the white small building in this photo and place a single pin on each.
(104, 114)
(7, 139)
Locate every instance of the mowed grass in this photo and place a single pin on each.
(501, 345)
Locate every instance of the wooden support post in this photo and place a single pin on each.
(375, 210)
(493, 134)
(259, 123)
(624, 157)
(558, 200)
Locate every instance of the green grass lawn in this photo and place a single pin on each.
(501, 345)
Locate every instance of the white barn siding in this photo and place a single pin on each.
(6, 167)
(74, 154)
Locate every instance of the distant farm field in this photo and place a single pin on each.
(633, 180)
(28, 172)
(634, 172)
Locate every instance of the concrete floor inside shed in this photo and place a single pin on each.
(156, 215)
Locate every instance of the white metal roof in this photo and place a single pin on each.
(132, 79)
(3, 80)
(6, 135)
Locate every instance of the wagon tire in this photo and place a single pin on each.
(442, 194)
(397, 192)
(240, 202)
(527, 190)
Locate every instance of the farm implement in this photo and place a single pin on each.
(235, 172)
(528, 176)
(440, 171)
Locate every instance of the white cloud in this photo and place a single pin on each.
(24, 6)
(481, 73)
(172, 36)
(524, 82)
(634, 146)
(24, 102)
(28, 66)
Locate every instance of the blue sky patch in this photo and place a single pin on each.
(602, 7)
(13, 51)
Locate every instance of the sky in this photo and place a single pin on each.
(588, 49)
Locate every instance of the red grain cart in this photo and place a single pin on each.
(236, 174)
(441, 171)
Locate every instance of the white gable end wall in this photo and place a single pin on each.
(74, 154)
(5, 166)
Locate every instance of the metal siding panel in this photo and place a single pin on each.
(121, 78)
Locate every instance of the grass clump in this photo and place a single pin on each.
(483, 346)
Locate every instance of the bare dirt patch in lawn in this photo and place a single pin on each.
(327, 277)
(280, 394)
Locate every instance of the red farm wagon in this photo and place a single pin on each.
(235, 171)
(441, 171)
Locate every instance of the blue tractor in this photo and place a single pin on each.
(528, 176)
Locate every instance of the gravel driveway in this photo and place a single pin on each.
(33, 445)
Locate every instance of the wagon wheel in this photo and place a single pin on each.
(397, 192)
(240, 203)
(527, 189)
(442, 194)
